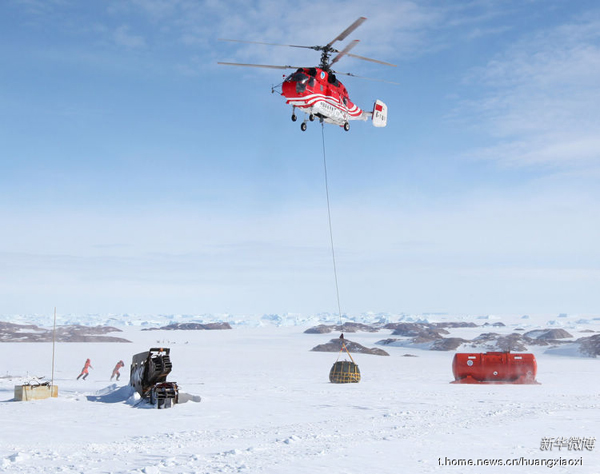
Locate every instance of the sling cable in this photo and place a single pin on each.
(343, 371)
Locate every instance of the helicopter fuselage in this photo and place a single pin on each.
(318, 93)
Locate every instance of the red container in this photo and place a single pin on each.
(494, 367)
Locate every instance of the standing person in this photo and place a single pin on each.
(86, 367)
(116, 372)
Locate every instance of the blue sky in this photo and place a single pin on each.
(137, 175)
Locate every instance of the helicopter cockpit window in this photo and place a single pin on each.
(301, 79)
(297, 77)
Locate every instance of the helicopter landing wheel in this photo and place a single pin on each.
(294, 118)
(311, 117)
(303, 126)
(346, 126)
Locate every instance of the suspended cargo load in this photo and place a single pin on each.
(148, 376)
(494, 367)
(344, 371)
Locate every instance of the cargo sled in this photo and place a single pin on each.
(35, 390)
(148, 376)
(494, 367)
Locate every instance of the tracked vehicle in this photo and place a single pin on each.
(148, 376)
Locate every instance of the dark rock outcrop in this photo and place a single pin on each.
(438, 344)
(10, 332)
(320, 329)
(590, 346)
(428, 335)
(492, 341)
(448, 344)
(346, 327)
(452, 325)
(419, 330)
(407, 329)
(548, 334)
(386, 342)
(435, 326)
(191, 327)
(335, 345)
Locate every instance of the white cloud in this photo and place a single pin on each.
(548, 150)
(158, 9)
(540, 98)
(123, 37)
(393, 29)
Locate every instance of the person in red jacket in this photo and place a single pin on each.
(116, 370)
(84, 371)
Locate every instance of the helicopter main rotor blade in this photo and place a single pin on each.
(372, 60)
(259, 65)
(327, 49)
(269, 44)
(367, 78)
(344, 51)
(348, 30)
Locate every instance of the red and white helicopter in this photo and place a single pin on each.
(317, 91)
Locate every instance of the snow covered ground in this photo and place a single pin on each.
(268, 407)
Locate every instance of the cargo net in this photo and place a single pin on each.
(344, 371)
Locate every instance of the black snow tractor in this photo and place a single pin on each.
(148, 376)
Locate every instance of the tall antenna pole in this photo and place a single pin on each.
(53, 346)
